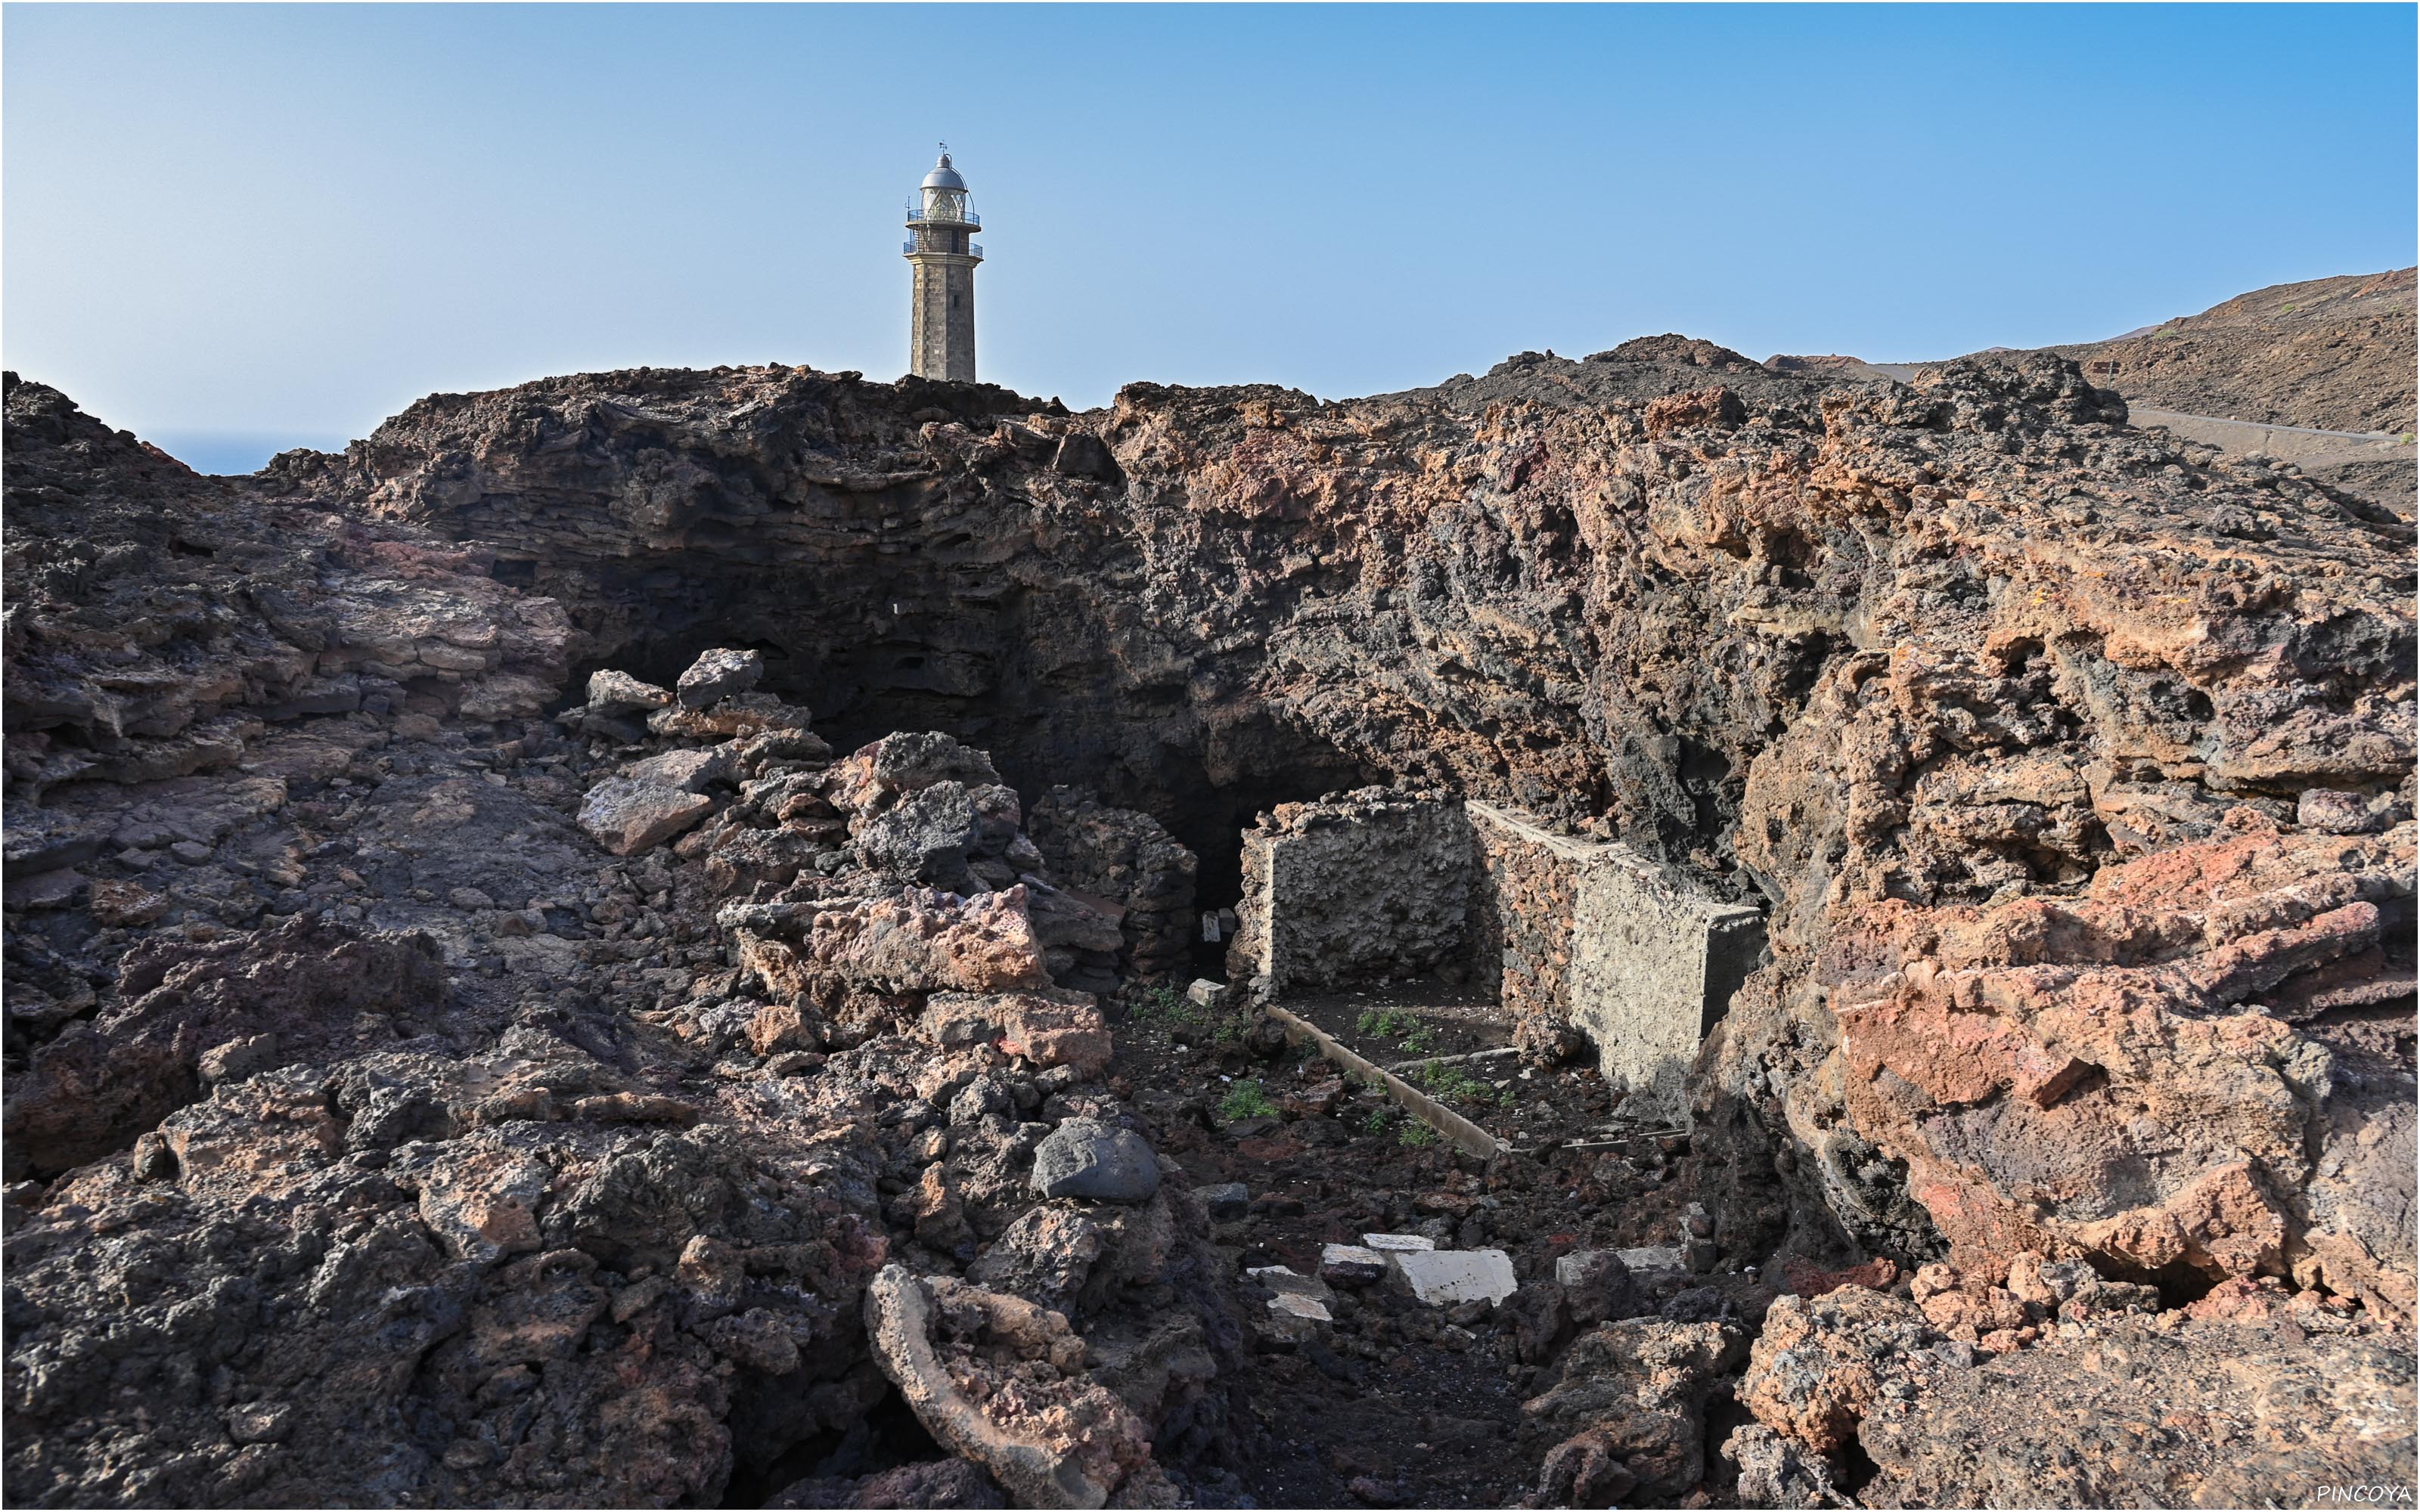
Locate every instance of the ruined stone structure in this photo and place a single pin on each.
(941, 303)
(544, 964)
(1649, 962)
(1578, 940)
(1372, 887)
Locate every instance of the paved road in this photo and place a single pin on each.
(2264, 425)
(2299, 444)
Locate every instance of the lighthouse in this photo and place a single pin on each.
(940, 249)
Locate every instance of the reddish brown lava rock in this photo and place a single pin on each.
(2074, 763)
(1801, 1279)
(2137, 1025)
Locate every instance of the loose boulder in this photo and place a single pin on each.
(1000, 1381)
(1628, 1417)
(719, 674)
(926, 838)
(1087, 1158)
(627, 815)
(611, 693)
(1052, 1028)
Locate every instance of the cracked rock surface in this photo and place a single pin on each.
(475, 1038)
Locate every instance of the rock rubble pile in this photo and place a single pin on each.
(473, 1038)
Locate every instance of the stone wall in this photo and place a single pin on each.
(1588, 941)
(1125, 859)
(1370, 885)
(1653, 966)
(1521, 920)
(1593, 937)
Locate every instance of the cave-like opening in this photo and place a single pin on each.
(1131, 748)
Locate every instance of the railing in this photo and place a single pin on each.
(917, 216)
(974, 249)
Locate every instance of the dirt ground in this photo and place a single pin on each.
(1400, 1403)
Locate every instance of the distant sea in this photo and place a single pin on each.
(235, 451)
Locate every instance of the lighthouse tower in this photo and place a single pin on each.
(941, 329)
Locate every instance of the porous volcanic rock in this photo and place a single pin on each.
(303, 983)
(2138, 1414)
(2072, 763)
(1900, 649)
(1628, 1417)
(376, 1134)
(628, 815)
(719, 674)
(160, 624)
(1128, 860)
(2331, 353)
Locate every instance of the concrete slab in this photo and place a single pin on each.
(1442, 1277)
(1295, 1319)
(1351, 1264)
(1397, 1243)
(1287, 1282)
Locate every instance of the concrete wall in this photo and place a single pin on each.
(1350, 891)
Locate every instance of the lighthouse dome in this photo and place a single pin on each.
(943, 176)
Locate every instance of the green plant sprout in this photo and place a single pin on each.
(1167, 1007)
(1451, 1084)
(1405, 1029)
(1246, 1100)
(1384, 1023)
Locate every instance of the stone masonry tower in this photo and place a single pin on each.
(941, 330)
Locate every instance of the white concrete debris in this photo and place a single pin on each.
(1653, 1258)
(1352, 1264)
(1206, 993)
(1573, 1268)
(1297, 1318)
(1299, 1309)
(1286, 1281)
(1397, 1243)
(1443, 1276)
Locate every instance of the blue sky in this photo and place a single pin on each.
(238, 227)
